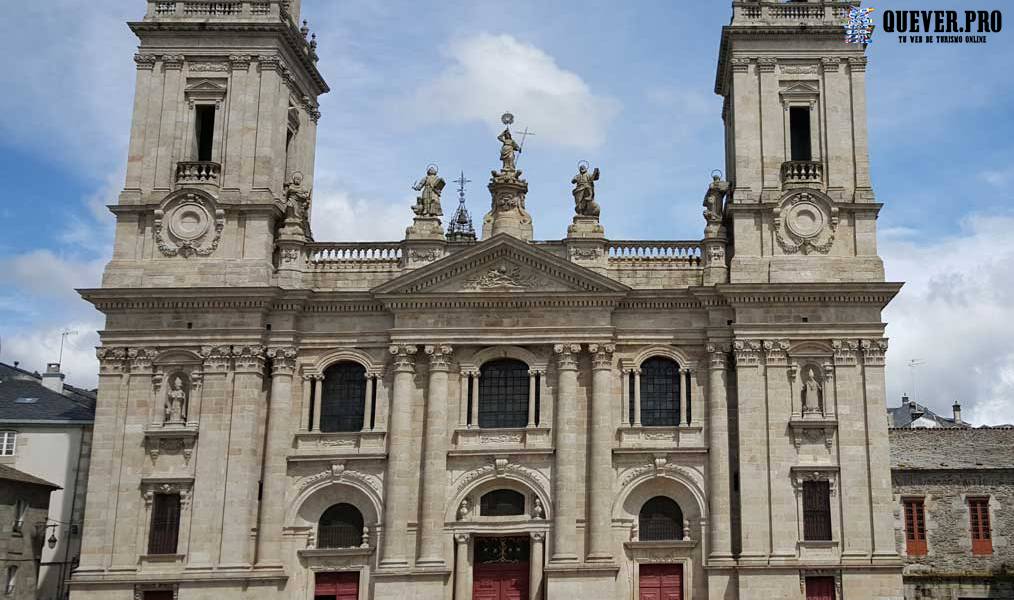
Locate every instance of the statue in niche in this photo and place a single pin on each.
(584, 191)
(464, 509)
(297, 203)
(427, 204)
(176, 402)
(538, 512)
(813, 391)
(714, 199)
(507, 151)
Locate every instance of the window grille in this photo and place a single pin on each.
(344, 398)
(816, 511)
(660, 519)
(341, 526)
(502, 503)
(503, 394)
(915, 527)
(660, 392)
(165, 524)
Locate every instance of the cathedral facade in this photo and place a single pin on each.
(453, 415)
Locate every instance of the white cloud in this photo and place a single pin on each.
(998, 177)
(43, 273)
(490, 73)
(955, 312)
(33, 349)
(339, 217)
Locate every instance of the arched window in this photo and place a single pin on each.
(503, 394)
(660, 392)
(502, 503)
(341, 526)
(660, 519)
(344, 397)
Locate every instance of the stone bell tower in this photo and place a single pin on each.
(801, 206)
(223, 132)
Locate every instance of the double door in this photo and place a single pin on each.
(660, 582)
(336, 586)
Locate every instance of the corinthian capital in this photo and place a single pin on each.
(602, 355)
(566, 355)
(283, 360)
(873, 351)
(439, 356)
(404, 358)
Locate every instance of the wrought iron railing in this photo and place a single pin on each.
(339, 536)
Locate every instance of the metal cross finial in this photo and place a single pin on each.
(461, 181)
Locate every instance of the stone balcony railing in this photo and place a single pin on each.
(198, 172)
(338, 256)
(802, 172)
(245, 10)
(773, 12)
(654, 252)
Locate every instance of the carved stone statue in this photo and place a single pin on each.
(427, 204)
(714, 199)
(507, 151)
(176, 402)
(584, 192)
(464, 509)
(538, 512)
(297, 204)
(813, 391)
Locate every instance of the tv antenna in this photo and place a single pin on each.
(63, 338)
(914, 364)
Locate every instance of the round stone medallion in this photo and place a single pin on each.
(189, 222)
(805, 219)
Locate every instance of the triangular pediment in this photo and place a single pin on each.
(502, 264)
(206, 85)
(800, 88)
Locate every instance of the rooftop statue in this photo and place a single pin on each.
(297, 203)
(430, 187)
(507, 151)
(584, 191)
(714, 199)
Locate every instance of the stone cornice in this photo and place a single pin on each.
(873, 293)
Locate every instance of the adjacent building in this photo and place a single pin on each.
(24, 514)
(445, 417)
(46, 431)
(954, 515)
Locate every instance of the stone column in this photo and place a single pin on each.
(536, 562)
(782, 452)
(531, 398)
(304, 418)
(625, 397)
(318, 392)
(600, 484)
(434, 467)
(683, 420)
(840, 169)
(753, 451)
(279, 436)
(545, 402)
(475, 399)
(637, 397)
(462, 587)
(720, 515)
(853, 451)
(402, 471)
(565, 472)
(242, 468)
(368, 409)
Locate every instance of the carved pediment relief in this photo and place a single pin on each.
(204, 89)
(502, 264)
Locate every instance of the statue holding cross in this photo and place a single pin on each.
(508, 146)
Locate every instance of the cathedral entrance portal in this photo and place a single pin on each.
(661, 582)
(501, 569)
(336, 586)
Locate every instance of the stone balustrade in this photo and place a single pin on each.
(203, 9)
(326, 256)
(670, 253)
(819, 12)
(808, 172)
(198, 172)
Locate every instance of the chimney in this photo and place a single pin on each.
(957, 412)
(53, 379)
(904, 399)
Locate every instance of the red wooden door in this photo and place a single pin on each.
(336, 586)
(820, 588)
(500, 582)
(660, 582)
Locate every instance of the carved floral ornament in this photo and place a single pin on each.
(188, 224)
(503, 275)
(805, 222)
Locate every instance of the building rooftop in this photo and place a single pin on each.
(24, 398)
(12, 474)
(952, 448)
(912, 414)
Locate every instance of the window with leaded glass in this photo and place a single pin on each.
(341, 526)
(343, 401)
(165, 524)
(660, 519)
(502, 503)
(503, 394)
(816, 511)
(660, 392)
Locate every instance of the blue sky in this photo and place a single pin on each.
(626, 86)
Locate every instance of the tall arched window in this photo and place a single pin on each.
(660, 392)
(503, 393)
(502, 503)
(341, 526)
(660, 519)
(344, 397)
